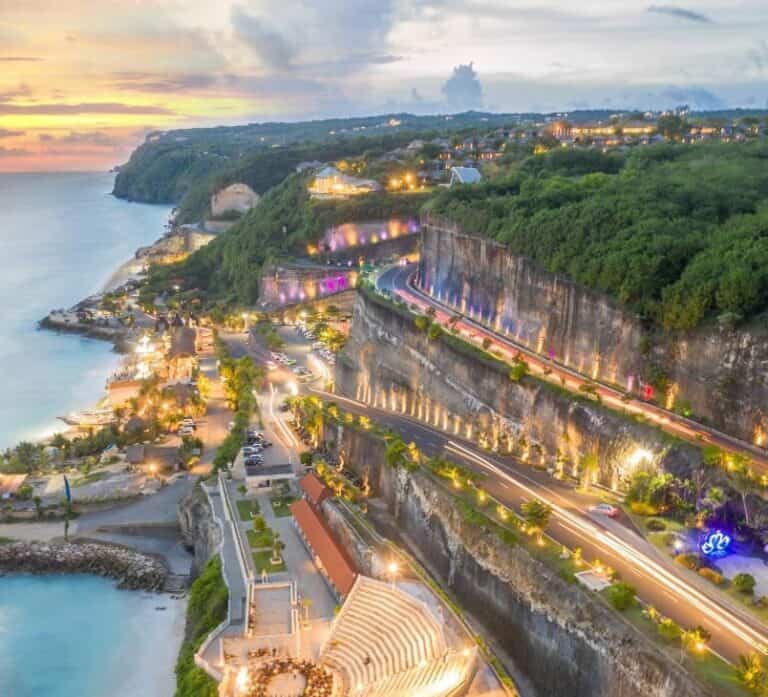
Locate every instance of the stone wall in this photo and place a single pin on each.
(292, 284)
(565, 641)
(722, 372)
(387, 362)
(132, 570)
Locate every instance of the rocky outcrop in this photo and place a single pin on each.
(563, 639)
(388, 362)
(719, 370)
(132, 570)
(199, 530)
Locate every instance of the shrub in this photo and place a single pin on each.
(643, 508)
(689, 560)
(668, 630)
(656, 525)
(421, 322)
(712, 575)
(434, 331)
(744, 583)
(621, 595)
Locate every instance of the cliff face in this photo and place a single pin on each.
(721, 372)
(389, 363)
(199, 530)
(565, 641)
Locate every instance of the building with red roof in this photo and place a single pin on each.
(329, 557)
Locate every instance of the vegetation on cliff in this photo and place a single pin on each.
(187, 166)
(228, 270)
(207, 608)
(675, 233)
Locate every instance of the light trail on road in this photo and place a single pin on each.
(643, 563)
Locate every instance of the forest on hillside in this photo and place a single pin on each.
(676, 233)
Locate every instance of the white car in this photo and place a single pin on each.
(605, 509)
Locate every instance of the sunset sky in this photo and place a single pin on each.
(83, 81)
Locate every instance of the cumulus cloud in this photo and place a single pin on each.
(463, 90)
(679, 13)
(271, 47)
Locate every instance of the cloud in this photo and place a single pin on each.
(463, 90)
(21, 90)
(14, 152)
(20, 59)
(758, 56)
(94, 138)
(695, 97)
(82, 108)
(679, 13)
(7, 133)
(271, 47)
(153, 82)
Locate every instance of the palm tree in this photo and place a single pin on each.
(743, 480)
(537, 515)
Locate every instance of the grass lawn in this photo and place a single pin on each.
(248, 508)
(262, 562)
(89, 478)
(6, 540)
(260, 540)
(280, 505)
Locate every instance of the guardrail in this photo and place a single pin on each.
(234, 524)
(200, 660)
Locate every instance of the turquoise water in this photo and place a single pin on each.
(67, 636)
(61, 237)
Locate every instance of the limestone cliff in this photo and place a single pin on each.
(390, 363)
(721, 371)
(199, 530)
(564, 640)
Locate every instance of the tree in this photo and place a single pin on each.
(744, 583)
(743, 480)
(621, 595)
(396, 452)
(694, 640)
(434, 332)
(537, 514)
(588, 468)
(38, 506)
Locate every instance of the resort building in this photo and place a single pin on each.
(330, 183)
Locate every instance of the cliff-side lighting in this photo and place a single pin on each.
(639, 456)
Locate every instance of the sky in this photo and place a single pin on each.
(83, 81)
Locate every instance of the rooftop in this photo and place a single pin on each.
(334, 560)
(316, 492)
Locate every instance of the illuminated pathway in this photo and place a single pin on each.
(398, 280)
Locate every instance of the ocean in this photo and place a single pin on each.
(53, 643)
(62, 237)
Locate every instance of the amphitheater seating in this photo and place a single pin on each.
(386, 642)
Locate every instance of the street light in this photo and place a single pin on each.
(392, 569)
(153, 469)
